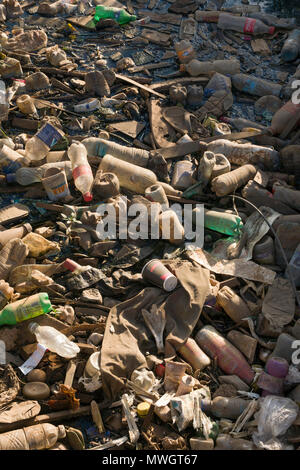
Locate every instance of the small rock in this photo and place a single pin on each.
(36, 375)
(95, 339)
(125, 63)
(91, 295)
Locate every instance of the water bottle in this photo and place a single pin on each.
(54, 340)
(229, 182)
(39, 145)
(243, 24)
(97, 146)
(196, 67)
(119, 14)
(82, 172)
(26, 176)
(255, 86)
(291, 47)
(24, 309)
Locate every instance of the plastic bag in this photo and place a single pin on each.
(275, 416)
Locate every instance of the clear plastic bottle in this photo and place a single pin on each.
(10, 160)
(82, 172)
(255, 86)
(243, 24)
(54, 340)
(291, 47)
(39, 145)
(26, 176)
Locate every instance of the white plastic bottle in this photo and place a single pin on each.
(82, 172)
(39, 145)
(26, 176)
(37, 437)
(54, 340)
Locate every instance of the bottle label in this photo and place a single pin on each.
(49, 135)
(9, 166)
(249, 25)
(81, 170)
(185, 53)
(31, 310)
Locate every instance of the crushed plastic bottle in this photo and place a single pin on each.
(54, 340)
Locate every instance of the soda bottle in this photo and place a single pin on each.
(243, 24)
(39, 145)
(24, 309)
(54, 340)
(82, 172)
(119, 14)
(291, 47)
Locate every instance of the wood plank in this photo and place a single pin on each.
(125, 79)
(161, 39)
(141, 68)
(71, 369)
(170, 18)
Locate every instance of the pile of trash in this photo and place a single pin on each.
(149, 225)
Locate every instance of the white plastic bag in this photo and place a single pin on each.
(274, 418)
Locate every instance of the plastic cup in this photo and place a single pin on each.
(92, 366)
(156, 273)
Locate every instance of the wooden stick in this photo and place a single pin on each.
(97, 418)
(70, 373)
(138, 85)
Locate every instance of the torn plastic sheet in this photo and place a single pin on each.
(237, 267)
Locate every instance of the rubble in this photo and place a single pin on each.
(149, 225)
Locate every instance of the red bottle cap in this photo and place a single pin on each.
(88, 197)
(70, 265)
(272, 30)
(160, 370)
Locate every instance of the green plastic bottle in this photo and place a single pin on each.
(24, 309)
(118, 14)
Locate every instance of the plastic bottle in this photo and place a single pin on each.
(205, 168)
(283, 116)
(221, 167)
(26, 104)
(244, 9)
(131, 177)
(191, 352)
(226, 67)
(271, 380)
(119, 14)
(235, 307)
(39, 145)
(241, 123)
(38, 437)
(228, 224)
(243, 24)
(26, 176)
(291, 47)
(229, 182)
(85, 106)
(223, 407)
(288, 196)
(16, 232)
(10, 160)
(54, 340)
(254, 85)
(25, 309)
(185, 51)
(239, 154)
(82, 172)
(266, 106)
(229, 358)
(96, 146)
